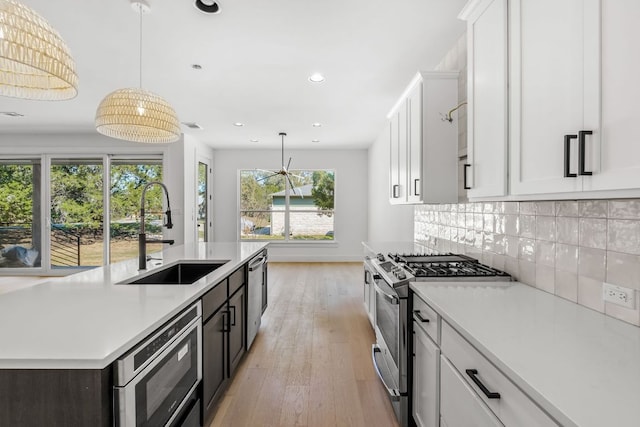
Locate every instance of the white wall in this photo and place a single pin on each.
(350, 203)
(387, 223)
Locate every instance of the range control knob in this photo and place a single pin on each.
(400, 275)
(380, 257)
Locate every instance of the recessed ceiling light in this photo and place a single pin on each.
(316, 78)
(208, 6)
(315, 140)
(238, 124)
(316, 125)
(253, 140)
(196, 66)
(11, 114)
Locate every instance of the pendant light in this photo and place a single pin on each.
(35, 63)
(135, 114)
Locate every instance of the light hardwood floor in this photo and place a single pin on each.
(310, 364)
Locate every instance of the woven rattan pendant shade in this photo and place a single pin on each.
(35, 63)
(137, 115)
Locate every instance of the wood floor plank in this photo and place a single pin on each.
(310, 364)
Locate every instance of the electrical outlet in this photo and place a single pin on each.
(618, 295)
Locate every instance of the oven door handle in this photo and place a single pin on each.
(393, 299)
(394, 393)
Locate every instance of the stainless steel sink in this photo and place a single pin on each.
(180, 273)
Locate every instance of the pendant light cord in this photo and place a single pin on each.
(140, 12)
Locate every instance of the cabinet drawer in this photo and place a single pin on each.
(428, 319)
(459, 404)
(236, 280)
(513, 407)
(213, 299)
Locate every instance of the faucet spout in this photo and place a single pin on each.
(142, 236)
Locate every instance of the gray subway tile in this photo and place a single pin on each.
(527, 208)
(546, 208)
(567, 208)
(527, 226)
(593, 233)
(511, 207)
(623, 269)
(592, 263)
(527, 249)
(545, 253)
(593, 208)
(511, 225)
(567, 258)
(623, 236)
(567, 230)
(546, 228)
(527, 272)
(512, 244)
(623, 313)
(590, 293)
(545, 278)
(566, 285)
(624, 209)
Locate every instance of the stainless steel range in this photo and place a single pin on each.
(391, 275)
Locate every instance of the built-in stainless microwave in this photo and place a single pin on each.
(156, 383)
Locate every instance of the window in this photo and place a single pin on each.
(75, 198)
(274, 208)
(20, 214)
(128, 178)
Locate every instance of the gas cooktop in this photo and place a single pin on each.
(403, 268)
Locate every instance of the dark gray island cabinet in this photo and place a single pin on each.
(61, 396)
(56, 397)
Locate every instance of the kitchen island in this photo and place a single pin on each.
(72, 329)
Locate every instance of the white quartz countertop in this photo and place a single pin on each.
(86, 320)
(581, 366)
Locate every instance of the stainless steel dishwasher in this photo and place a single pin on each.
(254, 303)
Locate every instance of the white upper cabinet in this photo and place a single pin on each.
(616, 162)
(554, 93)
(423, 147)
(486, 170)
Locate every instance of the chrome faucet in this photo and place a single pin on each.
(142, 236)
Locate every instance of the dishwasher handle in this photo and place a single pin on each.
(257, 263)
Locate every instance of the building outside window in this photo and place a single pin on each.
(274, 208)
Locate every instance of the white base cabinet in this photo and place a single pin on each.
(426, 379)
(460, 406)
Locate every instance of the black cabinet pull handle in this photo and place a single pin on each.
(225, 321)
(567, 156)
(490, 394)
(396, 191)
(233, 322)
(418, 315)
(464, 174)
(581, 151)
(415, 186)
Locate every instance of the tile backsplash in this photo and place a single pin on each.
(568, 248)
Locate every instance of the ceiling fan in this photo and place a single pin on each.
(284, 170)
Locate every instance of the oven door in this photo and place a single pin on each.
(388, 319)
(158, 394)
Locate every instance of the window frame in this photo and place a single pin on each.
(287, 240)
(46, 269)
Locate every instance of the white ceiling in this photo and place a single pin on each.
(256, 56)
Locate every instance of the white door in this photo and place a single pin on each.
(426, 379)
(487, 127)
(616, 165)
(554, 89)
